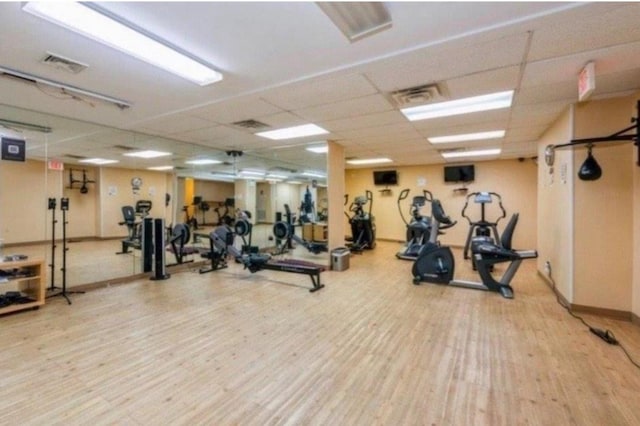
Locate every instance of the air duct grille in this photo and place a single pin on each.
(62, 63)
(251, 124)
(419, 95)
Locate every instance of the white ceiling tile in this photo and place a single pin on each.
(618, 25)
(319, 92)
(482, 83)
(175, 123)
(365, 121)
(429, 66)
(235, 110)
(348, 108)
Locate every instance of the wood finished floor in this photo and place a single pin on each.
(232, 347)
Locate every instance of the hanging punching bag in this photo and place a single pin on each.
(590, 169)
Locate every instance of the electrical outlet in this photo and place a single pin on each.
(547, 267)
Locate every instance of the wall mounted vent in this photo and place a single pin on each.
(419, 95)
(251, 124)
(62, 63)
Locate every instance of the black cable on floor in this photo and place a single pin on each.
(606, 335)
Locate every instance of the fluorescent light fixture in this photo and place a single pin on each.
(147, 154)
(223, 177)
(160, 168)
(460, 106)
(468, 137)
(90, 22)
(318, 149)
(98, 161)
(63, 88)
(251, 173)
(203, 161)
(314, 174)
(294, 182)
(275, 176)
(272, 180)
(19, 125)
(357, 20)
(293, 132)
(369, 161)
(473, 153)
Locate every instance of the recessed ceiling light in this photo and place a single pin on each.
(203, 161)
(357, 20)
(294, 182)
(460, 106)
(468, 137)
(160, 168)
(370, 161)
(98, 161)
(90, 22)
(314, 174)
(293, 132)
(318, 149)
(275, 176)
(147, 154)
(473, 153)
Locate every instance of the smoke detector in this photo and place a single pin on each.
(64, 64)
(419, 95)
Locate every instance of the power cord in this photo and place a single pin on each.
(606, 335)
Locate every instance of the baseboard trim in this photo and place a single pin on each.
(591, 310)
(124, 280)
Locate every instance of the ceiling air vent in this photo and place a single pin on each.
(125, 148)
(62, 63)
(251, 124)
(75, 157)
(282, 169)
(417, 96)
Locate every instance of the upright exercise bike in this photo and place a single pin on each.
(436, 264)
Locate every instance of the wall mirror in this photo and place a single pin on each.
(92, 166)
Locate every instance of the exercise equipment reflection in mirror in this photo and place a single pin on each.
(590, 169)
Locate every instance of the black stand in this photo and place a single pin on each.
(64, 206)
(52, 265)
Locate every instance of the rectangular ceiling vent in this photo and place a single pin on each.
(75, 157)
(62, 63)
(448, 150)
(415, 96)
(125, 148)
(251, 124)
(282, 169)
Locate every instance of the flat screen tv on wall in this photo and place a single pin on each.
(385, 177)
(459, 173)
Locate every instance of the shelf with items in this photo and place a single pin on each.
(22, 285)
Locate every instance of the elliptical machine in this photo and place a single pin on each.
(363, 227)
(419, 228)
(480, 231)
(436, 264)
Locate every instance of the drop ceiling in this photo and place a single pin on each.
(286, 64)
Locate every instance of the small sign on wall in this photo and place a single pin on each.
(112, 191)
(13, 149)
(55, 165)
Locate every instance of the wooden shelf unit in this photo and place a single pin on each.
(33, 285)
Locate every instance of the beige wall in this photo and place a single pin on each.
(115, 185)
(23, 201)
(555, 206)
(515, 181)
(82, 215)
(636, 238)
(603, 215)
